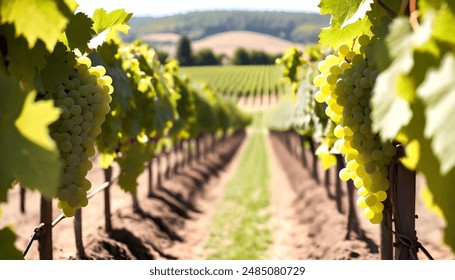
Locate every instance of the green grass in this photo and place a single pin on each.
(239, 228)
(240, 80)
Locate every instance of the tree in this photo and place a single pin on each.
(184, 51)
(241, 57)
(206, 57)
(259, 58)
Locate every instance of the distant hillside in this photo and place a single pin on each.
(223, 43)
(228, 42)
(295, 27)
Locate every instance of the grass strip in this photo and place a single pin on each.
(239, 228)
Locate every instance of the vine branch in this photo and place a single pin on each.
(387, 9)
(413, 15)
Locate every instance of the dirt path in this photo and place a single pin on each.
(283, 223)
(195, 232)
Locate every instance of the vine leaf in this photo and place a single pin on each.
(440, 100)
(33, 158)
(341, 11)
(24, 61)
(58, 67)
(9, 251)
(132, 165)
(79, 32)
(50, 18)
(106, 25)
(392, 93)
(361, 12)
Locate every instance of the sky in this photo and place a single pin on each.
(159, 8)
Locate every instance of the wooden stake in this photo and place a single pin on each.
(353, 221)
(107, 200)
(404, 215)
(338, 183)
(22, 199)
(45, 240)
(315, 161)
(77, 223)
(386, 232)
(150, 175)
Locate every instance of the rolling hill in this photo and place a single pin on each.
(228, 42)
(294, 27)
(223, 43)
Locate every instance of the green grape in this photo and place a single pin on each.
(361, 202)
(344, 174)
(377, 218)
(84, 98)
(364, 40)
(370, 200)
(346, 82)
(343, 49)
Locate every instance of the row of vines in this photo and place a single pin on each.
(382, 97)
(263, 81)
(71, 89)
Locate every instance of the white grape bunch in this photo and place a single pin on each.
(345, 84)
(84, 99)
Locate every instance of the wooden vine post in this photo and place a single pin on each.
(400, 208)
(386, 232)
(315, 160)
(45, 238)
(77, 222)
(353, 221)
(327, 182)
(22, 199)
(107, 200)
(159, 172)
(303, 153)
(404, 216)
(338, 182)
(150, 175)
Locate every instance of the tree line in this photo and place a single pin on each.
(241, 56)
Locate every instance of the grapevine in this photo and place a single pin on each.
(83, 98)
(345, 85)
(60, 108)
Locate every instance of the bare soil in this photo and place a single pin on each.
(175, 222)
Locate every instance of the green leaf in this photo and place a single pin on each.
(79, 32)
(106, 24)
(36, 19)
(392, 91)
(22, 60)
(104, 20)
(442, 25)
(361, 12)
(33, 158)
(389, 112)
(335, 35)
(440, 100)
(326, 158)
(341, 10)
(72, 4)
(58, 67)
(441, 189)
(132, 165)
(9, 250)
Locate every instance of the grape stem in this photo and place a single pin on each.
(387, 9)
(413, 15)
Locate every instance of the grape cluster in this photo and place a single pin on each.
(84, 99)
(345, 84)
